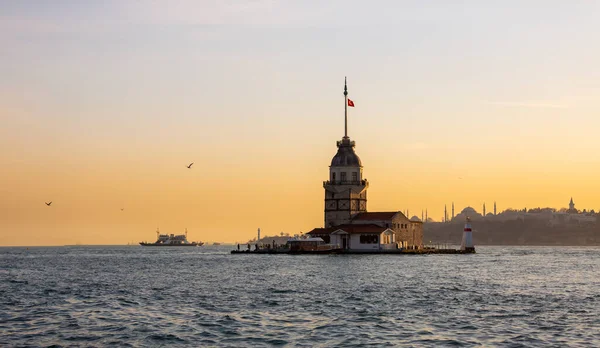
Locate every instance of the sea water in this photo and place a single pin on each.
(135, 296)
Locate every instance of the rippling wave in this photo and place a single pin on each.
(139, 297)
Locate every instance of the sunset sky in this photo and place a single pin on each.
(104, 104)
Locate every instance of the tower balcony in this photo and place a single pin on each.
(345, 142)
(363, 182)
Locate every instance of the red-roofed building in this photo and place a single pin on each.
(358, 237)
(406, 233)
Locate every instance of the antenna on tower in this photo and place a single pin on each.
(345, 109)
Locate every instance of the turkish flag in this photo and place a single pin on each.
(350, 103)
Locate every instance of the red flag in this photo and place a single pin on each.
(350, 103)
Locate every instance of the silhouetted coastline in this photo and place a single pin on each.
(516, 232)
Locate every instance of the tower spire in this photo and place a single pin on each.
(345, 109)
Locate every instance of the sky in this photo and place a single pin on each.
(104, 104)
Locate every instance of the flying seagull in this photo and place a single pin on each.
(122, 209)
(48, 203)
(190, 166)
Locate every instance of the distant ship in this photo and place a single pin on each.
(171, 240)
(216, 243)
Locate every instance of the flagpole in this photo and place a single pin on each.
(345, 109)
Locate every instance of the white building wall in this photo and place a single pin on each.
(356, 245)
(335, 239)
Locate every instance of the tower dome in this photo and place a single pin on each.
(345, 156)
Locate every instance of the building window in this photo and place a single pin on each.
(333, 177)
(369, 239)
(343, 176)
(354, 176)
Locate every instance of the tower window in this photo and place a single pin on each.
(354, 176)
(343, 176)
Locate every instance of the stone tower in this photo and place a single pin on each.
(346, 190)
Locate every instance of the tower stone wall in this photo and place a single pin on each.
(346, 190)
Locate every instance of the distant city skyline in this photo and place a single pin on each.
(103, 106)
(570, 207)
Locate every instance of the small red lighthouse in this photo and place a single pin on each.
(467, 239)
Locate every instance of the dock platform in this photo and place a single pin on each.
(364, 252)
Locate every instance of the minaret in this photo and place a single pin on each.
(483, 209)
(422, 216)
(494, 208)
(452, 210)
(426, 217)
(467, 239)
(445, 214)
(346, 190)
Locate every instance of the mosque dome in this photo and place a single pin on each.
(415, 218)
(468, 211)
(345, 156)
